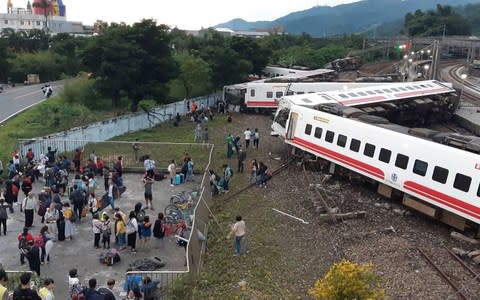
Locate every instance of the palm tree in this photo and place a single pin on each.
(45, 5)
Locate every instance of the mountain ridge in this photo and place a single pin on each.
(356, 17)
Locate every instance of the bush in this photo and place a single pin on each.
(347, 280)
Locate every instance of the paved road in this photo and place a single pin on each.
(17, 99)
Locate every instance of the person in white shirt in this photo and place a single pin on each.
(248, 135)
(149, 165)
(238, 229)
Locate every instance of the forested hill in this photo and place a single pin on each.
(362, 16)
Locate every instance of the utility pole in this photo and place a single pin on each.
(435, 59)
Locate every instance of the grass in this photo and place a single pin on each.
(50, 116)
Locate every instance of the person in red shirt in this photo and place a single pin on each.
(30, 155)
(24, 238)
(77, 158)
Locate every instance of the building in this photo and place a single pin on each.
(33, 16)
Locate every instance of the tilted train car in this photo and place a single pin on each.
(436, 179)
(266, 95)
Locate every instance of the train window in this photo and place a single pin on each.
(379, 91)
(420, 167)
(355, 145)
(343, 95)
(401, 161)
(440, 174)
(311, 92)
(306, 100)
(416, 87)
(269, 94)
(300, 93)
(429, 85)
(387, 90)
(362, 94)
(308, 129)
(462, 182)
(252, 93)
(289, 93)
(329, 136)
(395, 90)
(342, 140)
(478, 191)
(409, 87)
(402, 89)
(278, 94)
(318, 132)
(369, 150)
(370, 92)
(353, 94)
(385, 155)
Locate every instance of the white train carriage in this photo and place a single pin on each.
(362, 96)
(268, 94)
(439, 180)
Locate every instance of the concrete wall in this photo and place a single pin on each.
(71, 139)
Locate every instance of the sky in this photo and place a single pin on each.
(185, 14)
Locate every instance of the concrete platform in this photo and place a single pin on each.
(79, 253)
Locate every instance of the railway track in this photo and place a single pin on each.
(462, 279)
(470, 91)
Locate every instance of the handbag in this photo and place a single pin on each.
(84, 211)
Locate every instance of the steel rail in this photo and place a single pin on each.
(447, 279)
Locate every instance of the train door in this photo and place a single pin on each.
(292, 125)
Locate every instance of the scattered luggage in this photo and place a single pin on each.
(109, 257)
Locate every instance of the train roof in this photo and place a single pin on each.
(373, 94)
(303, 75)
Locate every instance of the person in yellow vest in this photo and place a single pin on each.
(46, 292)
(3, 285)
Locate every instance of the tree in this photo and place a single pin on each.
(433, 23)
(135, 61)
(347, 280)
(4, 65)
(194, 78)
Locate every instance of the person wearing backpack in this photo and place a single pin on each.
(107, 291)
(227, 174)
(131, 230)
(91, 293)
(120, 231)
(158, 229)
(106, 231)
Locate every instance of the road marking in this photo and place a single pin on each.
(25, 95)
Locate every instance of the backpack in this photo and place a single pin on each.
(38, 241)
(78, 296)
(140, 215)
(3, 212)
(42, 209)
(229, 170)
(158, 230)
(22, 243)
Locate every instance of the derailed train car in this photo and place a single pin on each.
(436, 173)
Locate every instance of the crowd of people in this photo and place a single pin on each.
(63, 204)
(257, 172)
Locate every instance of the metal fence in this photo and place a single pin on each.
(74, 138)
